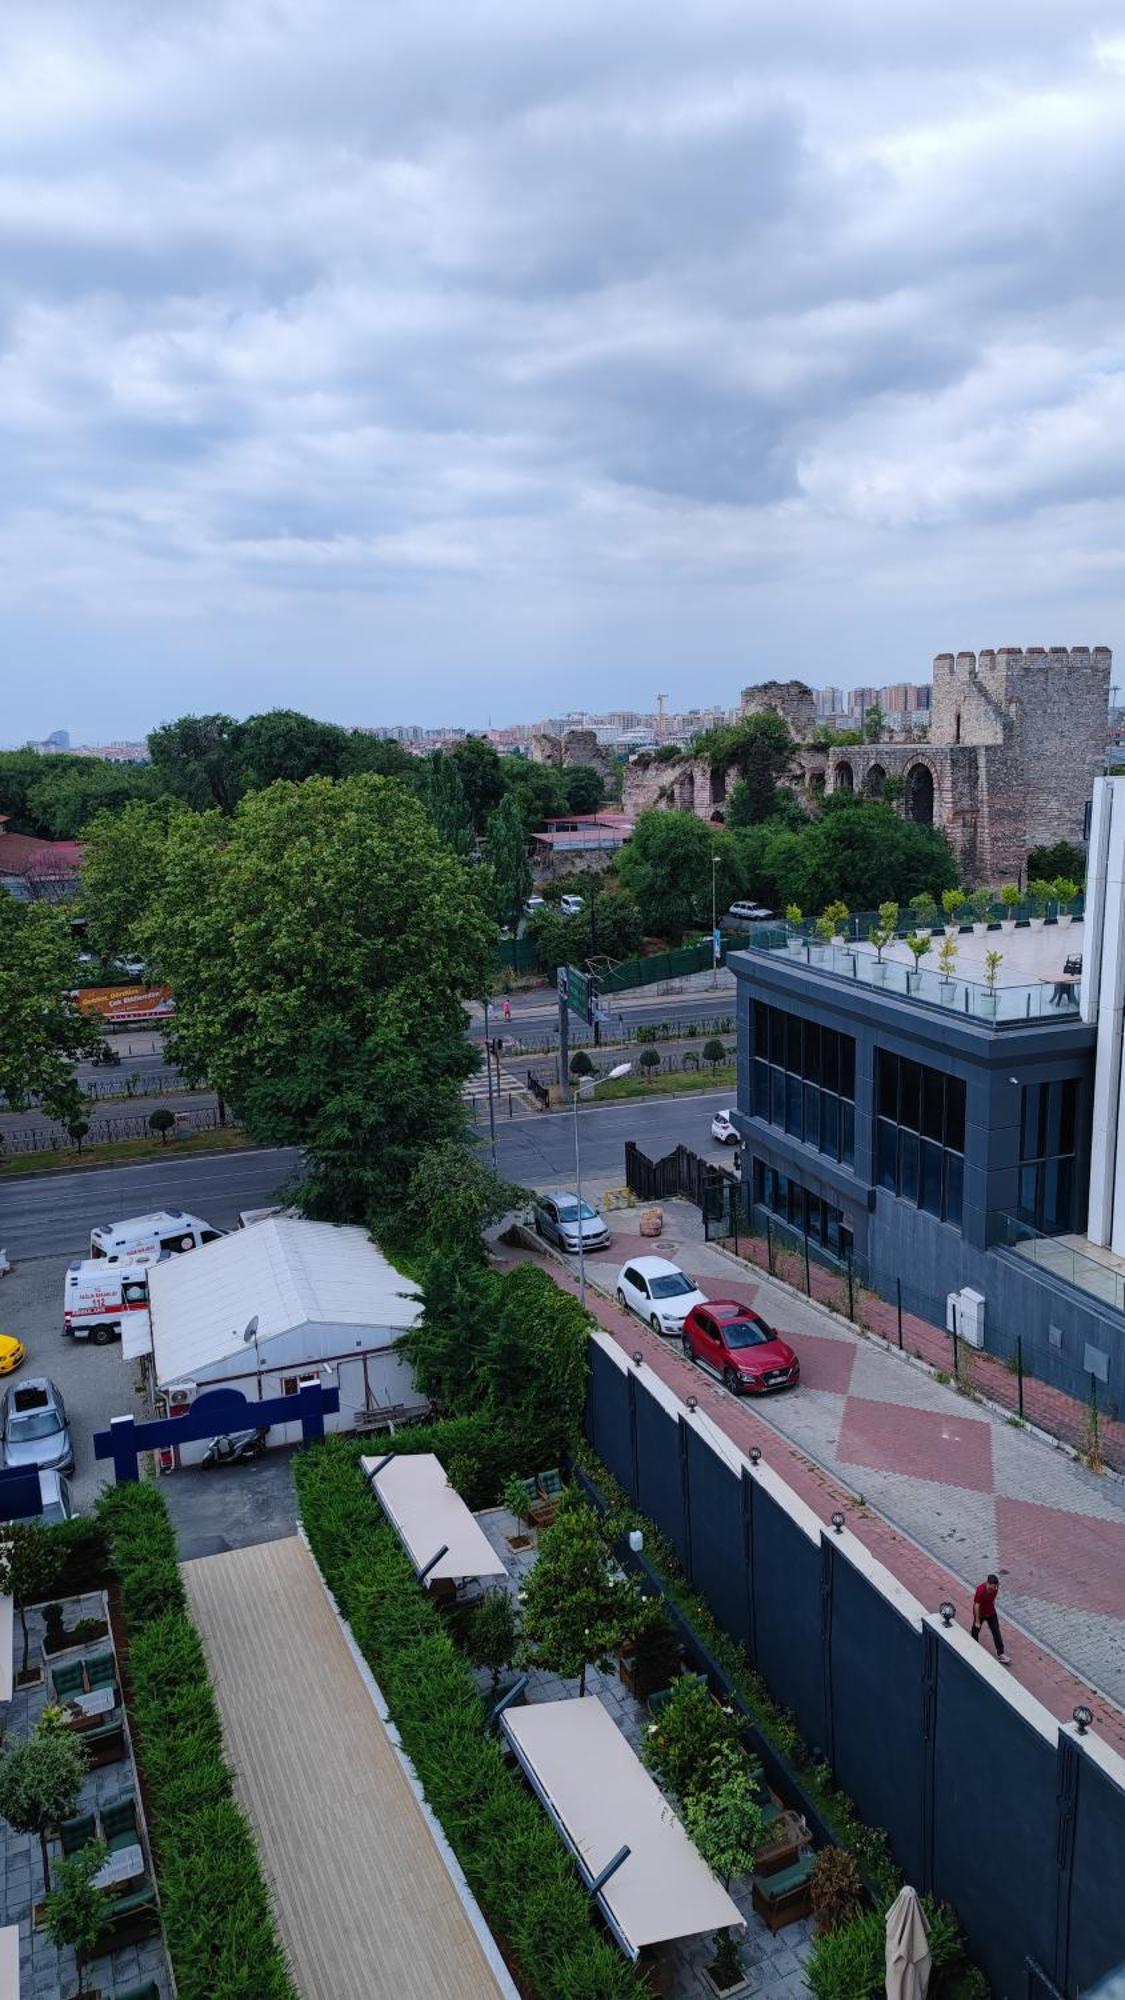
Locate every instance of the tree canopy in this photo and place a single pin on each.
(506, 848)
(666, 869)
(41, 1030)
(123, 873)
(481, 776)
(321, 941)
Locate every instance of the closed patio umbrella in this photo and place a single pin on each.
(908, 1948)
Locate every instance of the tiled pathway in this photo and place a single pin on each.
(958, 1490)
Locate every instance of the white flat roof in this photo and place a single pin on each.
(285, 1271)
(6, 1664)
(136, 1335)
(602, 1799)
(427, 1512)
(10, 1962)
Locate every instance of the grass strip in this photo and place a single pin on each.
(117, 1152)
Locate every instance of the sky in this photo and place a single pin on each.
(471, 362)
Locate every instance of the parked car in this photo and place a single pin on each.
(55, 1501)
(571, 906)
(723, 1130)
(12, 1352)
(659, 1292)
(741, 1347)
(557, 1219)
(750, 913)
(34, 1428)
(533, 905)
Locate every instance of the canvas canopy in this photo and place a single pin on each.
(429, 1513)
(602, 1799)
(6, 1665)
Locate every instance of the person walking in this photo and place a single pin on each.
(507, 1010)
(984, 1613)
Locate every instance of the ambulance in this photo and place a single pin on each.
(167, 1230)
(99, 1297)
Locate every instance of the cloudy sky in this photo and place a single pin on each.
(454, 359)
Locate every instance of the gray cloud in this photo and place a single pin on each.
(421, 361)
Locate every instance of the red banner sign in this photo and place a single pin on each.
(126, 1003)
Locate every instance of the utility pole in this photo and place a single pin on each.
(564, 1025)
(491, 1106)
(714, 924)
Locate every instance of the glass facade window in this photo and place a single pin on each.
(920, 1135)
(802, 1209)
(1048, 1182)
(802, 1079)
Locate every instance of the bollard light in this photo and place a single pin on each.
(948, 1613)
(838, 1522)
(754, 1455)
(693, 1403)
(638, 1357)
(636, 1540)
(1083, 1717)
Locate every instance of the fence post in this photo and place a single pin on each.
(956, 1352)
(808, 1273)
(898, 1298)
(851, 1292)
(769, 1245)
(1094, 1445)
(733, 1204)
(1019, 1368)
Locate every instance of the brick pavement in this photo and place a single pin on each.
(1055, 1532)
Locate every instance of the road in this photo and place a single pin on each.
(51, 1214)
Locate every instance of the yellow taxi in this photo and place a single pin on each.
(12, 1352)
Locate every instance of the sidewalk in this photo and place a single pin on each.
(940, 1489)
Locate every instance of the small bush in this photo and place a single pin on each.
(650, 1059)
(837, 1889)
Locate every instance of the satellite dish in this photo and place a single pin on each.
(252, 1330)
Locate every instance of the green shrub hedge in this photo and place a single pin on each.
(217, 1917)
(513, 1860)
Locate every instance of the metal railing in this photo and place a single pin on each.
(1059, 1258)
(994, 1005)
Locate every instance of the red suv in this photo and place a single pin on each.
(740, 1347)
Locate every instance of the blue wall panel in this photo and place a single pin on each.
(877, 1710)
(607, 1415)
(658, 1458)
(716, 1537)
(1097, 1904)
(788, 1615)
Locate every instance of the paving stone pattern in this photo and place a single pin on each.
(45, 1972)
(773, 1960)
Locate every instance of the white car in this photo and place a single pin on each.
(751, 913)
(658, 1292)
(723, 1130)
(533, 905)
(572, 906)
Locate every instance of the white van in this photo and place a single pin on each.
(98, 1297)
(168, 1230)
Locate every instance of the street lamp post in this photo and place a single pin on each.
(620, 1069)
(714, 923)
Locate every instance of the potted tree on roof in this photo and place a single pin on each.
(1039, 896)
(924, 910)
(980, 903)
(947, 963)
(1065, 893)
(953, 902)
(1011, 896)
(918, 944)
(993, 960)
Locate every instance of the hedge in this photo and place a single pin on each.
(217, 1918)
(513, 1860)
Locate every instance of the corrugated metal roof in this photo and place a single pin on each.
(289, 1273)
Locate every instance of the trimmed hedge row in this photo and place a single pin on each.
(217, 1917)
(513, 1860)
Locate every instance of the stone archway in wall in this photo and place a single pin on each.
(874, 781)
(718, 787)
(919, 799)
(685, 791)
(843, 778)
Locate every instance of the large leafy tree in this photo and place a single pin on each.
(198, 758)
(862, 853)
(585, 788)
(39, 1785)
(539, 790)
(321, 943)
(762, 752)
(41, 1031)
(452, 1197)
(68, 795)
(507, 858)
(666, 869)
(445, 799)
(578, 1608)
(283, 743)
(481, 776)
(123, 873)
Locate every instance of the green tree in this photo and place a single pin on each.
(584, 787)
(862, 853)
(507, 858)
(76, 1910)
(459, 1299)
(446, 803)
(580, 1064)
(666, 870)
(39, 1785)
(874, 724)
(538, 789)
(481, 776)
(122, 873)
(1064, 858)
(723, 1816)
(68, 796)
(714, 1052)
(321, 942)
(380, 757)
(41, 1030)
(198, 759)
(763, 754)
(610, 924)
(283, 743)
(451, 1198)
(532, 1367)
(578, 1608)
(31, 1563)
(493, 1634)
(163, 1121)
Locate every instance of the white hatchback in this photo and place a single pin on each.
(723, 1130)
(658, 1292)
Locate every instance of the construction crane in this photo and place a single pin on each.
(660, 701)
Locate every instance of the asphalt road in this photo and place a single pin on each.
(51, 1214)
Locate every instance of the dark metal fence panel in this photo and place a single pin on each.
(877, 1748)
(1095, 1909)
(608, 1415)
(994, 1826)
(718, 1557)
(658, 1466)
(787, 1614)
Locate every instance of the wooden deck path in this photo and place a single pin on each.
(365, 1906)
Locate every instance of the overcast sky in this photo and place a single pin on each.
(446, 360)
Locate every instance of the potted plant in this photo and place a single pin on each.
(493, 1636)
(924, 910)
(953, 902)
(649, 1658)
(888, 917)
(880, 938)
(31, 1565)
(836, 916)
(75, 1909)
(1038, 895)
(1064, 891)
(516, 1499)
(918, 945)
(794, 917)
(39, 1784)
(837, 1890)
(993, 960)
(947, 961)
(725, 1822)
(980, 903)
(1011, 895)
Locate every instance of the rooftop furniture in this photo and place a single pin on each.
(650, 1882)
(786, 1897)
(77, 1833)
(101, 1671)
(436, 1528)
(125, 1864)
(94, 1707)
(68, 1679)
(148, 1991)
(128, 1920)
(787, 1836)
(119, 1822)
(105, 1743)
(549, 1488)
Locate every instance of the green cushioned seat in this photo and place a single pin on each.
(68, 1678)
(78, 1832)
(774, 1887)
(119, 1823)
(101, 1671)
(149, 1991)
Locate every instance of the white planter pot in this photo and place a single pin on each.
(1008, 924)
(1036, 923)
(878, 974)
(1064, 917)
(947, 988)
(951, 930)
(979, 928)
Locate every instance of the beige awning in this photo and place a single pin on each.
(136, 1335)
(6, 1663)
(10, 1962)
(429, 1513)
(601, 1798)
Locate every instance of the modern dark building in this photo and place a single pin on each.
(936, 1129)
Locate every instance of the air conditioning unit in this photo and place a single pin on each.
(964, 1315)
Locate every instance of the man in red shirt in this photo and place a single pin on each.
(984, 1613)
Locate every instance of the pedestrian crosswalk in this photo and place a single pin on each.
(508, 1087)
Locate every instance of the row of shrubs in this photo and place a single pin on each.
(512, 1858)
(217, 1917)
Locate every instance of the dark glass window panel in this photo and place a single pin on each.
(888, 1085)
(1028, 1203)
(1064, 1206)
(1052, 1093)
(777, 1097)
(793, 1043)
(908, 1166)
(1068, 1114)
(847, 1067)
(933, 1104)
(830, 1059)
(929, 1184)
(910, 1094)
(759, 1181)
(955, 1113)
(812, 1115)
(832, 1231)
(814, 1220)
(829, 1124)
(777, 1037)
(771, 1187)
(761, 1030)
(761, 1090)
(954, 1185)
(797, 1205)
(793, 1105)
(847, 1133)
(845, 1239)
(1048, 1217)
(1029, 1120)
(886, 1162)
(812, 1051)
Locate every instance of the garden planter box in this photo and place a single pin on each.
(725, 1991)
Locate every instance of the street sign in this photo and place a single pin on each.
(580, 993)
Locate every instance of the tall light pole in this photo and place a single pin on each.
(714, 923)
(488, 1068)
(620, 1069)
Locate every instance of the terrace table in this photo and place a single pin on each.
(88, 1707)
(123, 1865)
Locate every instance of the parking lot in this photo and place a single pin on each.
(96, 1383)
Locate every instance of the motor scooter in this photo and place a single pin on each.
(236, 1447)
